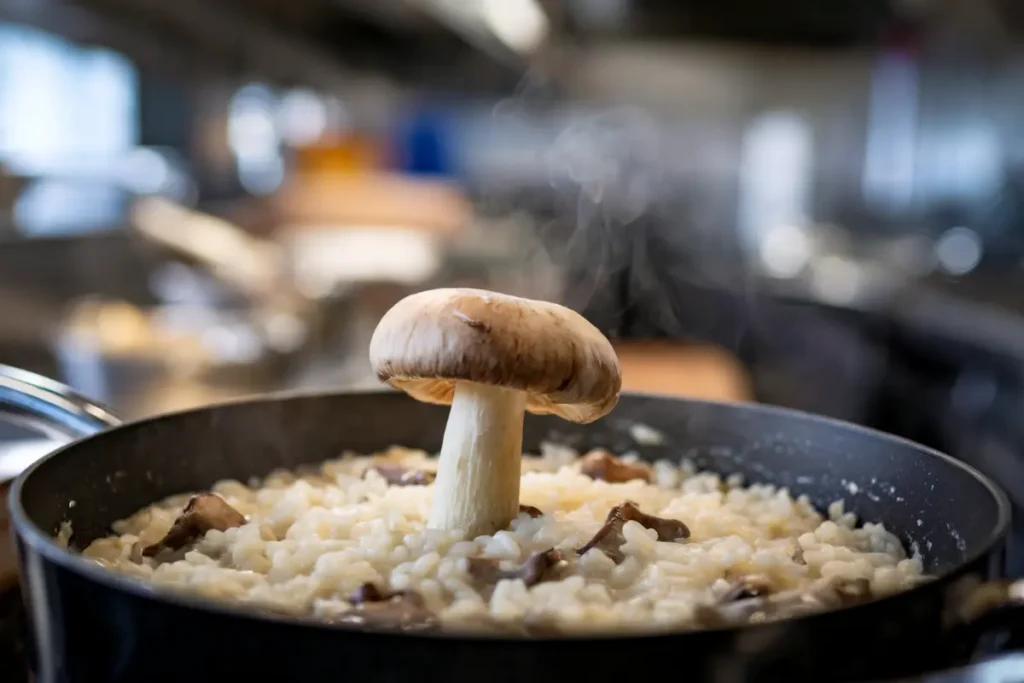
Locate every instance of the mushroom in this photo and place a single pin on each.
(491, 357)
(400, 475)
(600, 464)
(828, 594)
(537, 568)
(609, 537)
(754, 586)
(404, 610)
(203, 512)
(531, 511)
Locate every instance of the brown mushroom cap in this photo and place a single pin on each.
(430, 340)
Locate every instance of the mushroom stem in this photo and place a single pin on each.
(477, 484)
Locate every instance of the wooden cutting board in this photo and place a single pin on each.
(689, 370)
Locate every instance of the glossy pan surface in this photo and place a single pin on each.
(89, 624)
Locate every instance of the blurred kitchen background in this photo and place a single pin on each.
(813, 204)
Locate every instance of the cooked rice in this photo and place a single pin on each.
(313, 538)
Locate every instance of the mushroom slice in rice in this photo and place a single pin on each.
(609, 538)
(204, 512)
(600, 464)
(538, 567)
(402, 610)
(754, 586)
(399, 475)
(530, 511)
(829, 594)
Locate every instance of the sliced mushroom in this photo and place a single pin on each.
(492, 357)
(609, 537)
(754, 586)
(829, 595)
(600, 464)
(403, 610)
(400, 475)
(531, 511)
(537, 568)
(203, 513)
(771, 607)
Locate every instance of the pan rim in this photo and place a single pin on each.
(27, 532)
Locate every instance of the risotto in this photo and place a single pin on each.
(601, 544)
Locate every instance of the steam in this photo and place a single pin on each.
(606, 170)
(611, 162)
(630, 226)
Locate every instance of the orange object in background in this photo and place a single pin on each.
(353, 154)
(340, 199)
(689, 370)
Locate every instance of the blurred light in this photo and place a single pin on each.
(775, 175)
(958, 251)
(785, 251)
(232, 344)
(837, 280)
(62, 106)
(302, 117)
(262, 177)
(146, 171)
(520, 24)
(324, 259)
(121, 326)
(251, 130)
(252, 134)
(175, 283)
(284, 332)
(888, 174)
(55, 206)
(155, 171)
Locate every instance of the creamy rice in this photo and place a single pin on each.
(314, 538)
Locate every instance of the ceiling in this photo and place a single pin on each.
(324, 42)
(803, 22)
(318, 42)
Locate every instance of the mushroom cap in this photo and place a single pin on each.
(431, 340)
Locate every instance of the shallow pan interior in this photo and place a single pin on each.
(928, 499)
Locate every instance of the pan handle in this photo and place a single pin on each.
(989, 608)
(50, 407)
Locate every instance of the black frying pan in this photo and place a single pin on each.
(89, 624)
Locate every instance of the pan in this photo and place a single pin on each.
(90, 624)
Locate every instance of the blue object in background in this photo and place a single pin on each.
(423, 146)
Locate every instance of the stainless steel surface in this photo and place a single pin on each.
(18, 456)
(50, 406)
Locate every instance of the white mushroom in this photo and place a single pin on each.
(491, 357)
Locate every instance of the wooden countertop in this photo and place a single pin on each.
(690, 370)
